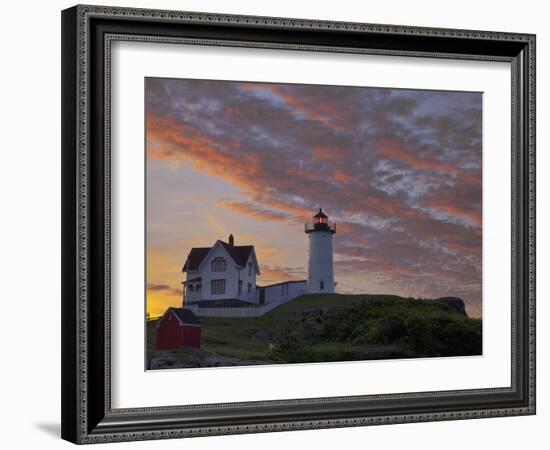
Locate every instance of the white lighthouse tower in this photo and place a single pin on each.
(320, 267)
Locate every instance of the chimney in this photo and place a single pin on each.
(231, 240)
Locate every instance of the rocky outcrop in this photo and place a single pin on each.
(454, 303)
(188, 358)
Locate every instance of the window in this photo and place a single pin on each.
(321, 285)
(191, 288)
(218, 264)
(217, 286)
(284, 289)
(199, 287)
(249, 287)
(240, 286)
(249, 269)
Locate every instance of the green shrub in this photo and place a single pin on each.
(419, 328)
(451, 335)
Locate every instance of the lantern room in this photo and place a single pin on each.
(320, 223)
(320, 217)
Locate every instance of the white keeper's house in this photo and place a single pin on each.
(224, 275)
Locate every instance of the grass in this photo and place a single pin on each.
(351, 327)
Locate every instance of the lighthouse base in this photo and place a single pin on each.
(320, 286)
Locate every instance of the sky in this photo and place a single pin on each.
(398, 170)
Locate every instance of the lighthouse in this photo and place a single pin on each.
(320, 267)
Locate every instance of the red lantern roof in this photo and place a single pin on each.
(320, 214)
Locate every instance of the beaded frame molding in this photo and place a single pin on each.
(87, 35)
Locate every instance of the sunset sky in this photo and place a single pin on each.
(398, 170)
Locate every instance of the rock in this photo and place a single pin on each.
(454, 303)
(215, 360)
(193, 358)
(168, 362)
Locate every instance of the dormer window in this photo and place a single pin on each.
(218, 264)
(249, 269)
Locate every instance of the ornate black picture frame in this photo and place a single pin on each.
(87, 34)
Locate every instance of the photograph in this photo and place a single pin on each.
(302, 223)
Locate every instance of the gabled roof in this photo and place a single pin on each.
(195, 257)
(239, 254)
(186, 316)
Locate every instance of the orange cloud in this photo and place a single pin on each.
(453, 210)
(341, 177)
(151, 287)
(345, 228)
(379, 205)
(462, 247)
(299, 213)
(324, 154)
(253, 210)
(413, 213)
(178, 142)
(276, 274)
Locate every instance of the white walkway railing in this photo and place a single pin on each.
(244, 311)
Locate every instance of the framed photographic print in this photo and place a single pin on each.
(335, 220)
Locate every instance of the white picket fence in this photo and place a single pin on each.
(253, 311)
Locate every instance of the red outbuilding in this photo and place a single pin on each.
(177, 328)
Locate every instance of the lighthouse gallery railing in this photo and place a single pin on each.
(327, 226)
